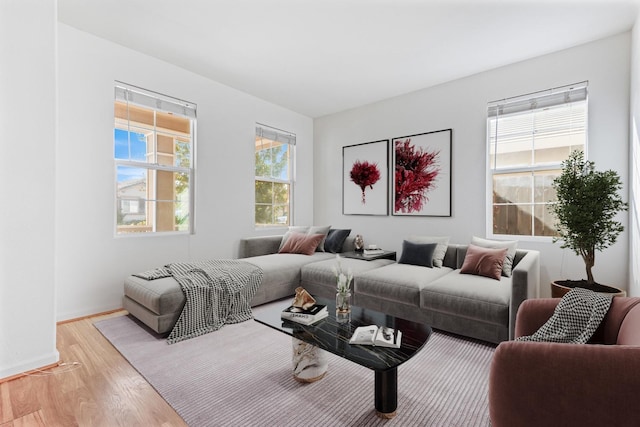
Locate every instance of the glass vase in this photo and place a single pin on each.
(343, 307)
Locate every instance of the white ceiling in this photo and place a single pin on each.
(319, 57)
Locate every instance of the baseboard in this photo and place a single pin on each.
(62, 318)
(25, 368)
(89, 316)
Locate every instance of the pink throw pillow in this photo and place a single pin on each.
(299, 243)
(483, 262)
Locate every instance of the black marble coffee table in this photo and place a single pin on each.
(329, 335)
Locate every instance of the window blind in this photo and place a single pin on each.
(538, 124)
(144, 98)
(275, 134)
(539, 100)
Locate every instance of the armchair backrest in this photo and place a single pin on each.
(621, 325)
(629, 333)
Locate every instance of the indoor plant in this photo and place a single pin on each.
(587, 204)
(343, 291)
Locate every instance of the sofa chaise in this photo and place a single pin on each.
(158, 303)
(469, 305)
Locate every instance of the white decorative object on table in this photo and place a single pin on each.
(309, 362)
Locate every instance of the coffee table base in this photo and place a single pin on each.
(309, 362)
(386, 397)
(387, 416)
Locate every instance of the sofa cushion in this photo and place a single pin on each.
(319, 277)
(511, 246)
(281, 274)
(293, 229)
(335, 239)
(474, 297)
(397, 282)
(161, 296)
(324, 230)
(483, 262)
(417, 253)
(299, 243)
(305, 229)
(284, 268)
(441, 248)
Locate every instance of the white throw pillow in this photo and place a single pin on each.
(320, 230)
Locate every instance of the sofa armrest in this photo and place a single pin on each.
(537, 384)
(261, 245)
(525, 280)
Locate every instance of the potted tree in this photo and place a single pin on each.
(588, 202)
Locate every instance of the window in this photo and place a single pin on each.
(153, 138)
(274, 161)
(528, 137)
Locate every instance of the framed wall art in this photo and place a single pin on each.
(365, 178)
(422, 174)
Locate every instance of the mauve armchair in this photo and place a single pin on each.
(551, 384)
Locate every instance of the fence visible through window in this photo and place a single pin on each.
(528, 137)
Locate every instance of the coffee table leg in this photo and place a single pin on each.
(309, 362)
(386, 393)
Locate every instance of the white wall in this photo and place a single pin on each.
(461, 105)
(27, 173)
(634, 164)
(92, 263)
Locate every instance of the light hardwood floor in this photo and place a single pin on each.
(96, 386)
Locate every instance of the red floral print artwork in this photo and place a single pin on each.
(415, 175)
(364, 174)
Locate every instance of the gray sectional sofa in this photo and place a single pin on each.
(469, 305)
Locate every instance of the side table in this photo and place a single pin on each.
(360, 255)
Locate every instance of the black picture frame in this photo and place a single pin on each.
(365, 179)
(422, 165)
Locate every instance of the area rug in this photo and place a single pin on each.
(241, 375)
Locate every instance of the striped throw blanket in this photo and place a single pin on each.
(217, 292)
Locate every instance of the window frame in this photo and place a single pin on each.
(495, 170)
(129, 94)
(285, 137)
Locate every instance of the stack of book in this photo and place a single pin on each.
(305, 317)
(369, 252)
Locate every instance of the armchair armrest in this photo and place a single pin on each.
(532, 314)
(537, 384)
(524, 284)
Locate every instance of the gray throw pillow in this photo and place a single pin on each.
(335, 239)
(441, 246)
(417, 253)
